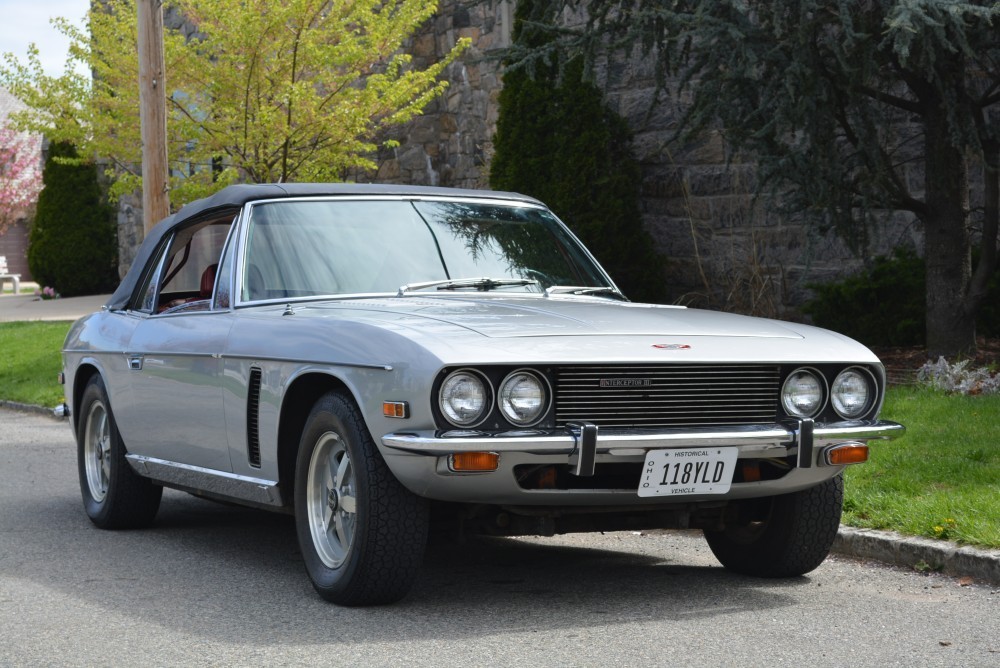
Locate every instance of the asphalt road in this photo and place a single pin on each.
(217, 585)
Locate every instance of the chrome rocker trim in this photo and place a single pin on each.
(256, 491)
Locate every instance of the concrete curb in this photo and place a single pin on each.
(28, 408)
(888, 547)
(941, 556)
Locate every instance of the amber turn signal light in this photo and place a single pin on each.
(395, 409)
(474, 462)
(847, 453)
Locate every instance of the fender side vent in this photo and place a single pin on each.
(253, 421)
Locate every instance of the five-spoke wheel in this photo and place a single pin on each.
(114, 496)
(331, 499)
(362, 533)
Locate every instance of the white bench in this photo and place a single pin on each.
(5, 276)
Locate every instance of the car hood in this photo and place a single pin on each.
(497, 317)
(460, 329)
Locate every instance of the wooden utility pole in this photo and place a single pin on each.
(153, 113)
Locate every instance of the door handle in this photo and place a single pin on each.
(135, 363)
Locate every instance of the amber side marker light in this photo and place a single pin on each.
(395, 409)
(847, 453)
(469, 462)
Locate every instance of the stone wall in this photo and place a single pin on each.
(452, 142)
(721, 248)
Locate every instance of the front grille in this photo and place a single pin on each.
(689, 395)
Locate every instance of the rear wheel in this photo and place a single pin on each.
(114, 495)
(362, 533)
(781, 536)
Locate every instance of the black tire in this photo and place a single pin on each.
(114, 495)
(362, 534)
(781, 536)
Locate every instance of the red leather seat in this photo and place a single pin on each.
(208, 281)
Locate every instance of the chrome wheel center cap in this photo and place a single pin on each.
(333, 499)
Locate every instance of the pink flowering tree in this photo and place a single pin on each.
(20, 175)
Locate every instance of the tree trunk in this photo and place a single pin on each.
(951, 324)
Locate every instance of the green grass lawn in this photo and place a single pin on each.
(941, 480)
(31, 362)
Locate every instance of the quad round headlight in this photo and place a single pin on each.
(802, 395)
(523, 398)
(852, 393)
(464, 398)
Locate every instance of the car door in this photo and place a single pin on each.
(175, 356)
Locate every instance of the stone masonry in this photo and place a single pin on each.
(721, 248)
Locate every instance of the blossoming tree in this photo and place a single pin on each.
(20, 176)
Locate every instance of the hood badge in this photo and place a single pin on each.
(672, 346)
(626, 382)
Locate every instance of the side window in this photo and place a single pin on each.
(223, 298)
(148, 303)
(187, 276)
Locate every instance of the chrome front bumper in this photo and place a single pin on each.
(419, 459)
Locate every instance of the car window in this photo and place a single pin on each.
(148, 302)
(188, 273)
(311, 248)
(223, 281)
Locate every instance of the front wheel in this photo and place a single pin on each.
(114, 495)
(362, 533)
(781, 536)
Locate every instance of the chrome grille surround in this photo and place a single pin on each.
(667, 395)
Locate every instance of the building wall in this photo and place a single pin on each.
(721, 249)
(14, 246)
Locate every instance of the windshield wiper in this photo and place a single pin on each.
(483, 284)
(583, 290)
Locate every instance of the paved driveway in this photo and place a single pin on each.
(211, 584)
(29, 307)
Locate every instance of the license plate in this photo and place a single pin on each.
(688, 471)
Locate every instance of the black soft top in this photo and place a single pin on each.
(232, 198)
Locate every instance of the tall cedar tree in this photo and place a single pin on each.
(73, 245)
(851, 109)
(556, 140)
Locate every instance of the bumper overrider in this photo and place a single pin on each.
(422, 460)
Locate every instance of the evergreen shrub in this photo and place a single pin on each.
(884, 305)
(73, 244)
(558, 141)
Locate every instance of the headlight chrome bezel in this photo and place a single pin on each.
(872, 390)
(487, 404)
(824, 392)
(543, 406)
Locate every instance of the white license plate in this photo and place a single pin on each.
(688, 471)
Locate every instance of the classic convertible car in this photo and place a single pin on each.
(372, 358)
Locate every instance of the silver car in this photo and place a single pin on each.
(373, 359)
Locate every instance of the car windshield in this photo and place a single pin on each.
(309, 248)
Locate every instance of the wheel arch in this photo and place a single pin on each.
(84, 372)
(296, 405)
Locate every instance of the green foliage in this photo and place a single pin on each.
(841, 104)
(557, 141)
(268, 91)
(31, 362)
(883, 305)
(73, 245)
(939, 480)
